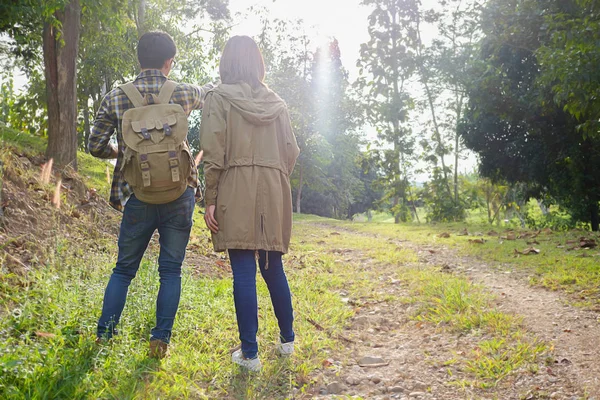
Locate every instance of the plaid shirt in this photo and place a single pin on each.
(110, 116)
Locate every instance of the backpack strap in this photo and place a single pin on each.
(133, 94)
(173, 163)
(145, 167)
(166, 91)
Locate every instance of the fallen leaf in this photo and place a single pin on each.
(444, 235)
(369, 361)
(477, 241)
(533, 242)
(528, 251)
(45, 334)
(327, 363)
(464, 232)
(334, 233)
(492, 233)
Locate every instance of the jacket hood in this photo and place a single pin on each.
(258, 106)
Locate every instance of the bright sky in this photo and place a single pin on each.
(345, 20)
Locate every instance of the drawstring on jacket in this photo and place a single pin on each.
(257, 256)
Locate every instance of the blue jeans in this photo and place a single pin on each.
(243, 265)
(174, 223)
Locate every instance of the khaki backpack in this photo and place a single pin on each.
(157, 159)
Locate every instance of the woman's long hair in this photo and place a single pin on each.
(242, 62)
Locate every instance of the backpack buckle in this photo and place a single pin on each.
(145, 167)
(167, 129)
(145, 133)
(174, 165)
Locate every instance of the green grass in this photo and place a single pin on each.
(94, 171)
(23, 142)
(63, 298)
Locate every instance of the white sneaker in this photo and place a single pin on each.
(251, 364)
(285, 349)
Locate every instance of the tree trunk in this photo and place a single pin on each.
(141, 18)
(299, 191)
(457, 150)
(414, 207)
(436, 128)
(60, 61)
(594, 216)
(396, 214)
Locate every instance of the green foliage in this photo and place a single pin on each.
(24, 111)
(570, 57)
(107, 49)
(441, 207)
(513, 122)
(539, 217)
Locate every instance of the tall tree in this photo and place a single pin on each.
(513, 121)
(386, 62)
(59, 41)
(443, 59)
(61, 47)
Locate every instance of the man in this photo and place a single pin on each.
(156, 53)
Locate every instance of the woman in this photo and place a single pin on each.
(249, 153)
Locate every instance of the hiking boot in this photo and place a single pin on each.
(251, 364)
(285, 349)
(158, 349)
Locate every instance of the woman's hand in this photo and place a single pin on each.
(209, 218)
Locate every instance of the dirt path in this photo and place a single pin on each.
(410, 357)
(573, 332)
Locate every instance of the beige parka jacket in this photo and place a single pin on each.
(249, 154)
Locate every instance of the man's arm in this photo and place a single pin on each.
(191, 97)
(104, 127)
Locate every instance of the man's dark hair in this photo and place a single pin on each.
(154, 48)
